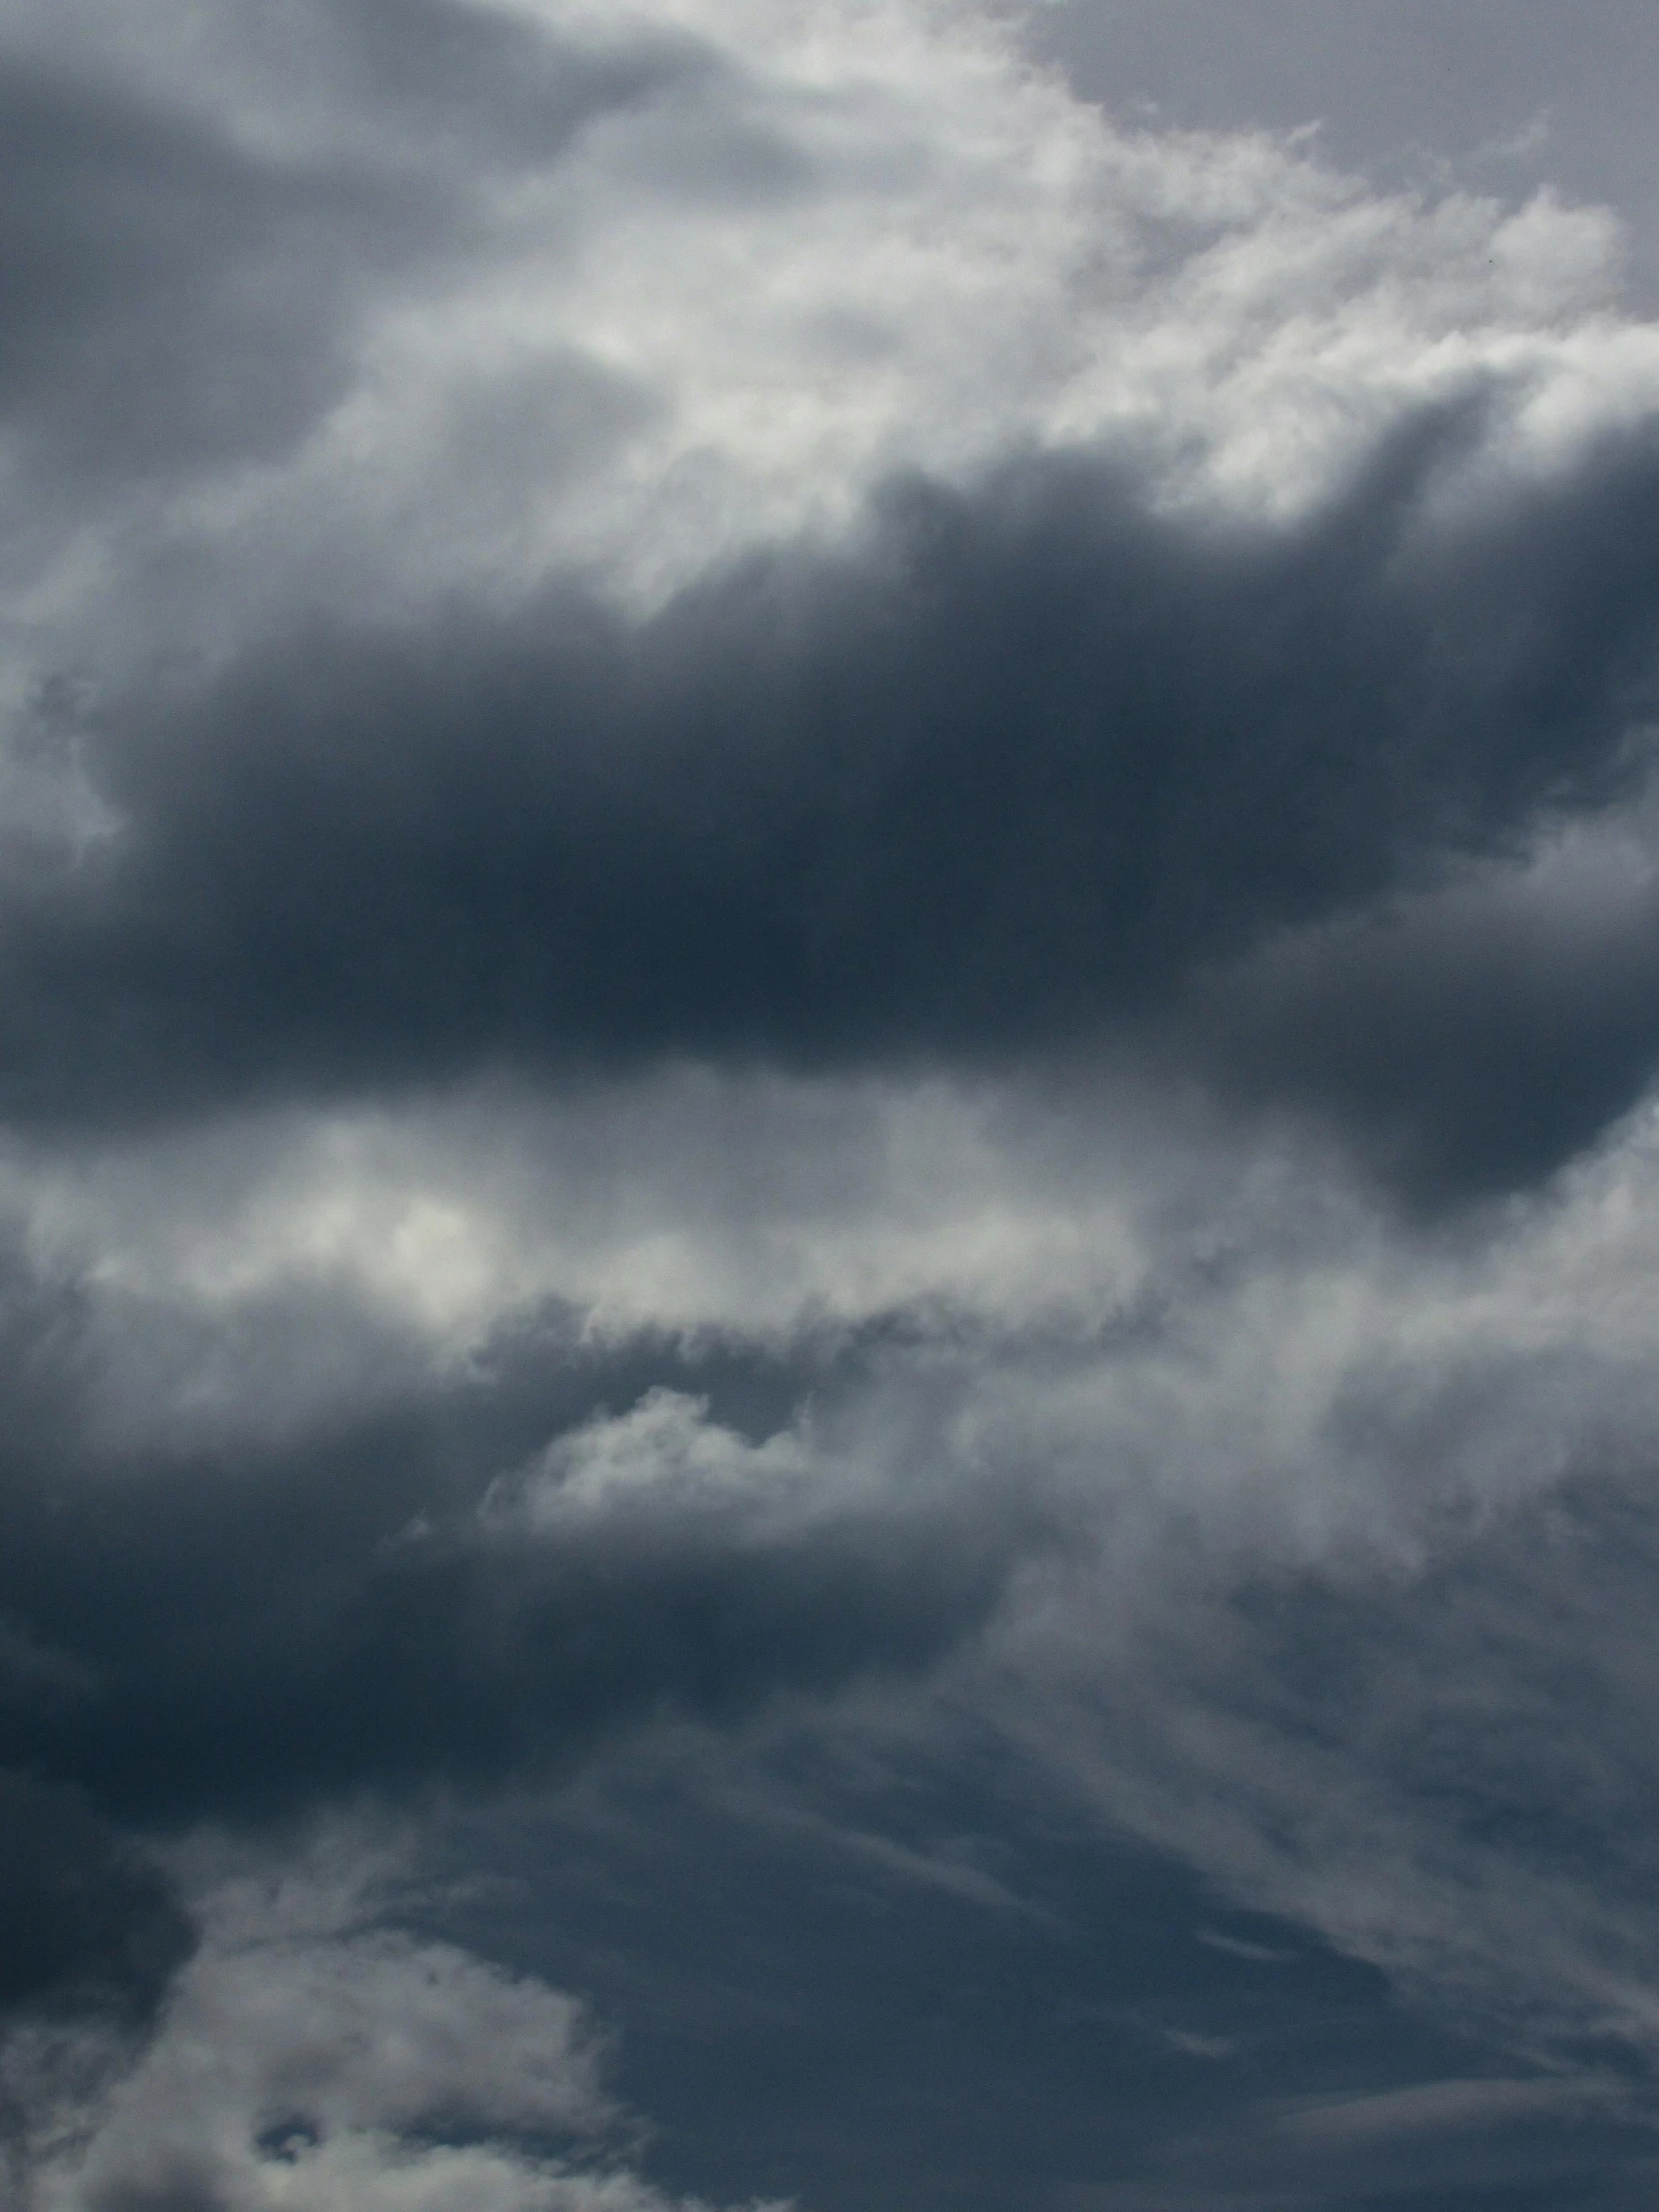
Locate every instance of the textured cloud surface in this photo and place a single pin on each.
(828, 1177)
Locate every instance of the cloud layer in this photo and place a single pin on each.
(827, 933)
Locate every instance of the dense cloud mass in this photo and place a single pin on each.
(828, 1168)
(1011, 773)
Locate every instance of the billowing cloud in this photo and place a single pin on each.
(311, 2053)
(827, 1047)
(971, 794)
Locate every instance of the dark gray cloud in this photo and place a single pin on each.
(746, 786)
(90, 1924)
(1469, 1040)
(93, 1934)
(368, 1607)
(380, 1602)
(1000, 781)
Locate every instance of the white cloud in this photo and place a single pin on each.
(665, 1453)
(686, 1201)
(313, 2060)
(814, 247)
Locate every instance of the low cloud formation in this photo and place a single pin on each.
(382, 1621)
(976, 793)
(92, 1926)
(310, 2054)
(826, 1048)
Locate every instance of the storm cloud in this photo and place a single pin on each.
(828, 1150)
(1006, 780)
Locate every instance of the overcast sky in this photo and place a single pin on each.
(829, 1106)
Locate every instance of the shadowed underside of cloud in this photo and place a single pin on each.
(376, 1604)
(1466, 1041)
(90, 1927)
(1004, 779)
(748, 784)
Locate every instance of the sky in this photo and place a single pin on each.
(829, 1106)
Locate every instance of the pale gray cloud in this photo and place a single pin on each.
(1506, 93)
(310, 2054)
